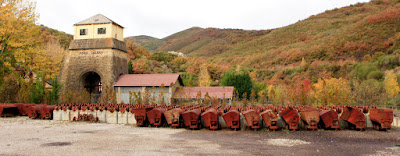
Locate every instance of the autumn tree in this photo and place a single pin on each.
(107, 95)
(161, 94)
(253, 97)
(140, 66)
(262, 97)
(207, 99)
(204, 77)
(391, 85)
(368, 92)
(276, 94)
(332, 92)
(48, 59)
(8, 91)
(244, 99)
(136, 51)
(24, 91)
(18, 34)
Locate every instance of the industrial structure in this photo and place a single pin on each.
(97, 56)
(97, 59)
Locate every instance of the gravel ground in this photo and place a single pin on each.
(23, 136)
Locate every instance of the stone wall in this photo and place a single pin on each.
(103, 43)
(109, 64)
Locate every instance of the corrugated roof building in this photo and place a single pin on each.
(194, 93)
(158, 88)
(163, 88)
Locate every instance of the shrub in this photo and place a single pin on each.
(389, 62)
(377, 75)
(8, 89)
(368, 92)
(361, 71)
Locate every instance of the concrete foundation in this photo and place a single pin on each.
(101, 115)
(122, 118)
(73, 114)
(94, 113)
(131, 119)
(57, 115)
(65, 115)
(111, 118)
(83, 112)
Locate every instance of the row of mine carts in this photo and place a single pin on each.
(217, 117)
(34, 111)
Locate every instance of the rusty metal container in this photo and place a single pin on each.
(47, 111)
(33, 111)
(210, 118)
(252, 119)
(290, 116)
(191, 118)
(7, 110)
(140, 116)
(174, 117)
(270, 119)
(329, 119)
(355, 117)
(381, 118)
(156, 117)
(310, 117)
(232, 119)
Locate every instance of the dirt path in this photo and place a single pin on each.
(23, 136)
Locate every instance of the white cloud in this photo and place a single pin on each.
(160, 18)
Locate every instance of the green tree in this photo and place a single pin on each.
(240, 80)
(55, 91)
(37, 91)
(130, 68)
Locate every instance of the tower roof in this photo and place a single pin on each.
(97, 19)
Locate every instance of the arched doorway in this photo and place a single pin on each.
(92, 83)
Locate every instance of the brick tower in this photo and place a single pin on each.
(97, 56)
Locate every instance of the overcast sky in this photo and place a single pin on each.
(161, 18)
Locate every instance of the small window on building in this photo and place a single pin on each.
(83, 32)
(101, 30)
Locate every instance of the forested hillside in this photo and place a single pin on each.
(352, 46)
(349, 55)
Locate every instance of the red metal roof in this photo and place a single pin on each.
(148, 79)
(213, 92)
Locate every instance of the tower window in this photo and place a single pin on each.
(83, 32)
(101, 30)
